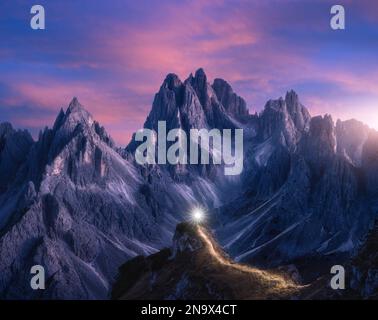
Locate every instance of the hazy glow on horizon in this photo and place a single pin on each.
(114, 55)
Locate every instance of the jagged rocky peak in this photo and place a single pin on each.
(370, 162)
(166, 103)
(201, 87)
(199, 81)
(77, 117)
(67, 122)
(14, 148)
(370, 150)
(172, 81)
(322, 129)
(5, 128)
(80, 208)
(319, 143)
(200, 76)
(234, 104)
(276, 123)
(291, 108)
(75, 104)
(76, 113)
(284, 119)
(186, 238)
(192, 104)
(277, 105)
(291, 104)
(216, 115)
(351, 136)
(351, 128)
(75, 141)
(297, 111)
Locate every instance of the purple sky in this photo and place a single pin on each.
(113, 55)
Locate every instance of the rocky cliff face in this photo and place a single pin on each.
(351, 137)
(14, 148)
(284, 120)
(80, 211)
(370, 163)
(233, 104)
(316, 210)
(195, 104)
(364, 267)
(75, 204)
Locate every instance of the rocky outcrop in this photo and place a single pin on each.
(298, 112)
(233, 104)
(351, 137)
(284, 120)
(14, 148)
(318, 146)
(192, 104)
(314, 210)
(80, 211)
(364, 275)
(197, 268)
(370, 163)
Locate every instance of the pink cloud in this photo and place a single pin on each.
(52, 95)
(240, 43)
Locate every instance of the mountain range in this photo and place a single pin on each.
(76, 204)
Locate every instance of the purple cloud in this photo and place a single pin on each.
(114, 55)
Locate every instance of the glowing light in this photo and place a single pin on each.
(198, 215)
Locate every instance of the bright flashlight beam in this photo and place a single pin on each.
(197, 215)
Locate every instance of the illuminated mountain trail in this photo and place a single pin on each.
(196, 267)
(280, 282)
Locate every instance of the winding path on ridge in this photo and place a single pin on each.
(280, 282)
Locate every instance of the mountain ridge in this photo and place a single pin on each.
(81, 207)
(194, 268)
